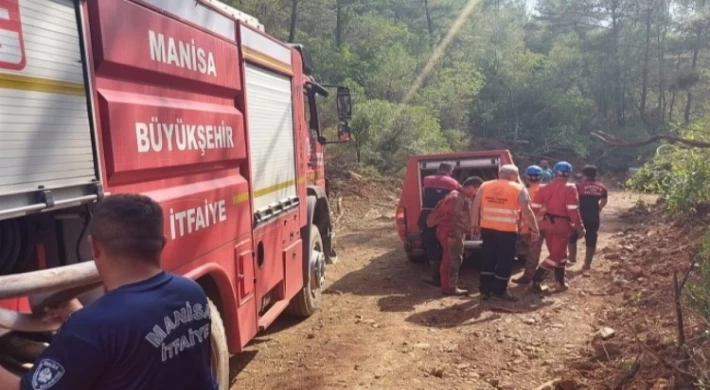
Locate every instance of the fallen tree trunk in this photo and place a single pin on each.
(618, 142)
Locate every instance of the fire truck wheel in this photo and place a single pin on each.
(220, 354)
(306, 302)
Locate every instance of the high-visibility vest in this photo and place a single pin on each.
(500, 205)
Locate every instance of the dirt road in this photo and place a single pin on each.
(381, 328)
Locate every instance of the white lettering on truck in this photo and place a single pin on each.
(155, 136)
(185, 55)
(195, 219)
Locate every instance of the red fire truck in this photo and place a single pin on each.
(188, 102)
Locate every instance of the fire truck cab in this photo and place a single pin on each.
(188, 102)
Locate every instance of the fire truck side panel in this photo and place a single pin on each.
(301, 131)
(44, 121)
(271, 137)
(270, 269)
(240, 324)
(274, 116)
(169, 128)
(246, 300)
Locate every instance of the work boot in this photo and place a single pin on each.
(506, 296)
(455, 291)
(572, 253)
(561, 285)
(540, 275)
(588, 258)
(432, 281)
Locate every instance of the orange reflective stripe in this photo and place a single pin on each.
(500, 205)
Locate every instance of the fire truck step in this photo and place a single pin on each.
(270, 316)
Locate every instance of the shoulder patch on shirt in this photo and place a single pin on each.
(47, 374)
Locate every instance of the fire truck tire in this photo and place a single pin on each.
(220, 354)
(307, 301)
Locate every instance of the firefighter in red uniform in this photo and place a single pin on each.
(533, 176)
(436, 187)
(559, 203)
(497, 210)
(592, 199)
(452, 218)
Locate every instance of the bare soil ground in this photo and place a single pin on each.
(380, 327)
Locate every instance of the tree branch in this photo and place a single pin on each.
(614, 141)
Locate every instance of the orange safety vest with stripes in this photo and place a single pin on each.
(500, 205)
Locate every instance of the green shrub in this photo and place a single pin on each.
(679, 174)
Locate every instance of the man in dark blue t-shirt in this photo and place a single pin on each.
(151, 330)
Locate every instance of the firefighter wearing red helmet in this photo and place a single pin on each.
(558, 202)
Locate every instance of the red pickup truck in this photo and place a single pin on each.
(482, 163)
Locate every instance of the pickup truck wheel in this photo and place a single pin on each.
(307, 301)
(220, 354)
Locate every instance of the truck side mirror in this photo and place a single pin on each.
(344, 105)
(343, 132)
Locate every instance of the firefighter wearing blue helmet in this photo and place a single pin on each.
(558, 204)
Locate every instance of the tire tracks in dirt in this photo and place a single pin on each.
(381, 328)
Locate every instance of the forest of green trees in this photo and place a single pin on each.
(436, 75)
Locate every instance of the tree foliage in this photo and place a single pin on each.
(542, 74)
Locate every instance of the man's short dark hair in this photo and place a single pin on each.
(446, 167)
(590, 171)
(474, 181)
(129, 225)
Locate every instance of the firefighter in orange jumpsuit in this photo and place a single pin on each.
(436, 187)
(533, 176)
(452, 218)
(559, 203)
(497, 210)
